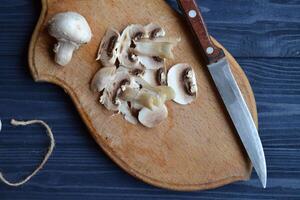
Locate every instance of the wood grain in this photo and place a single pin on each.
(270, 27)
(79, 170)
(195, 148)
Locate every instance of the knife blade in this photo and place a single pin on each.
(228, 89)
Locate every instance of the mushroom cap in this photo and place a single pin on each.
(154, 31)
(150, 77)
(108, 50)
(151, 62)
(109, 95)
(151, 118)
(102, 78)
(175, 81)
(70, 26)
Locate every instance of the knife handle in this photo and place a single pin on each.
(210, 52)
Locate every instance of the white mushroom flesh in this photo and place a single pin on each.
(158, 47)
(134, 82)
(71, 31)
(151, 62)
(107, 52)
(109, 96)
(126, 112)
(152, 118)
(184, 84)
(154, 31)
(102, 78)
(150, 76)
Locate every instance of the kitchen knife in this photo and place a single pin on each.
(219, 69)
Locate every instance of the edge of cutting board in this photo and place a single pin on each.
(180, 187)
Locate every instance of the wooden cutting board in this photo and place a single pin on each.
(196, 148)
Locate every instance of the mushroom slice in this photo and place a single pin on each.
(106, 100)
(151, 62)
(181, 77)
(126, 56)
(129, 60)
(125, 110)
(154, 31)
(150, 77)
(109, 97)
(102, 78)
(108, 49)
(159, 47)
(164, 93)
(161, 76)
(141, 97)
(135, 31)
(152, 118)
(155, 77)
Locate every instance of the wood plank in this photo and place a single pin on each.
(21, 97)
(248, 28)
(78, 169)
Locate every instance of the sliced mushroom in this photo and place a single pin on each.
(158, 47)
(126, 56)
(165, 93)
(135, 31)
(109, 96)
(108, 50)
(161, 76)
(130, 60)
(151, 62)
(102, 78)
(154, 31)
(155, 77)
(125, 110)
(181, 77)
(152, 118)
(143, 97)
(150, 77)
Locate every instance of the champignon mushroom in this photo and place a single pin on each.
(158, 47)
(102, 78)
(181, 77)
(155, 77)
(141, 97)
(154, 31)
(71, 31)
(151, 62)
(161, 76)
(109, 97)
(152, 118)
(165, 93)
(150, 77)
(125, 110)
(135, 31)
(109, 45)
(126, 55)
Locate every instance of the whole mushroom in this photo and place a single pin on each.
(71, 31)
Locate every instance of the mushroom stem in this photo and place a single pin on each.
(63, 52)
(161, 47)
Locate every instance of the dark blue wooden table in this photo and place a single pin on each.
(264, 36)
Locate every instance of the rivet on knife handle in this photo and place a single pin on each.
(210, 52)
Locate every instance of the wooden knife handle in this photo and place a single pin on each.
(211, 53)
